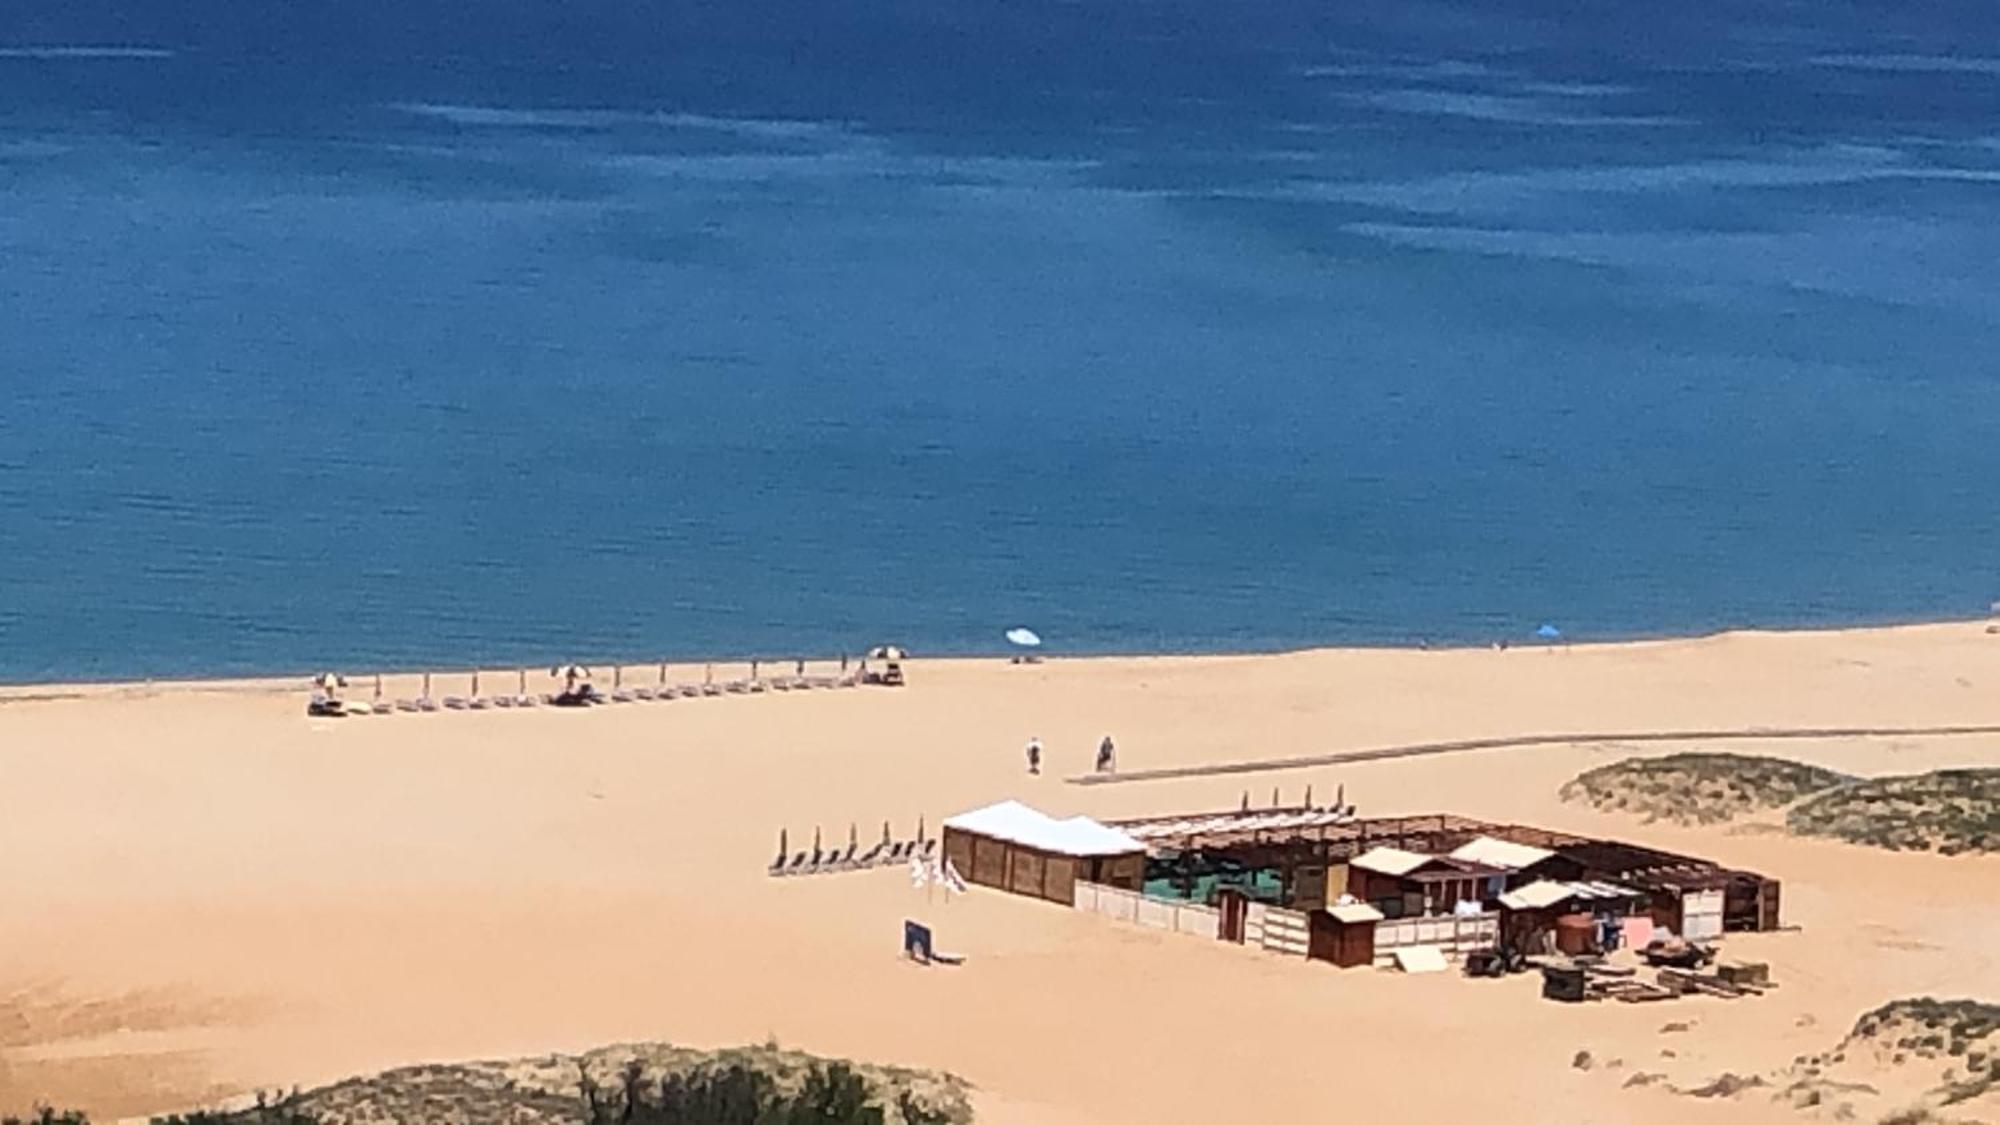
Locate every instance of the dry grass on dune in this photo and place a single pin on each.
(1698, 788)
(1916, 1061)
(633, 1084)
(1947, 811)
(1908, 1061)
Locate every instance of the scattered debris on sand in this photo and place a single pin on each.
(1947, 811)
(1698, 788)
(634, 1084)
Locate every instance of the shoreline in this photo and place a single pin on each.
(274, 682)
(234, 898)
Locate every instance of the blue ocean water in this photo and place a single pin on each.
(409, 334)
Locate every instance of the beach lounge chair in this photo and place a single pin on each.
(872, 856)
(527, 701)
(643, 694)
(710, 689)
(503, 701)
(928, 848)
(479, 703)
(455, 703)
(426, 703)
(624, 695)
(408, 705)
(736, 687)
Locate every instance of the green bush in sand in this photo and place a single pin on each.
(1698, 788)
(636, 1084)
(1948, 811)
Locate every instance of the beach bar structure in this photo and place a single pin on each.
(1014, 848)
(1323, 884)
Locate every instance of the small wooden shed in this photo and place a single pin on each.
(1344, 934)
(1404, 884)
(1014, 848)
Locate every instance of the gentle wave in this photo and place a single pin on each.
(86, 52)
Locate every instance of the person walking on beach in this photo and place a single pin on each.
(1035, 755)
(1107, 756)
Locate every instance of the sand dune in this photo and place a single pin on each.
(210, 893)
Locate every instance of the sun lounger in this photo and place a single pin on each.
(454, 703)
(479, 703)
(503, 701)
(872, 856)
(527, 701)
(736, 687)
(624, 695)
(409, 705)
(426, 703)
(643, 694)
(711, 689)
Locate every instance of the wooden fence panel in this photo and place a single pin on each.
(1285, 931)
(1198, 921)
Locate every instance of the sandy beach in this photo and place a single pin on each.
(207, 892)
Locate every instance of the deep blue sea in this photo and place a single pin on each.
(377, 334)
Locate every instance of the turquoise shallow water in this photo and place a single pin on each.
(371, 336)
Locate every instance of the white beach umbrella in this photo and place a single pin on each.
(329, 680)
(887, 652)
(1026, 638)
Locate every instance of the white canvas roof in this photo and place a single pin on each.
(1354, 912)
(1017, 823)
(1501, 853)
(1544, 893)
(1389, 861)
(1537, 895)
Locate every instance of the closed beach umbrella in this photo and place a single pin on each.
(1026, 638)
(1548, 632)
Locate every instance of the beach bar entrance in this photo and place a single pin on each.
(1014, 848)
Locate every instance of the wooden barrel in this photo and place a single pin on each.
(1574, 933)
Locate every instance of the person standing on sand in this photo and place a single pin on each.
(1035, 755)
(1107, 756)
